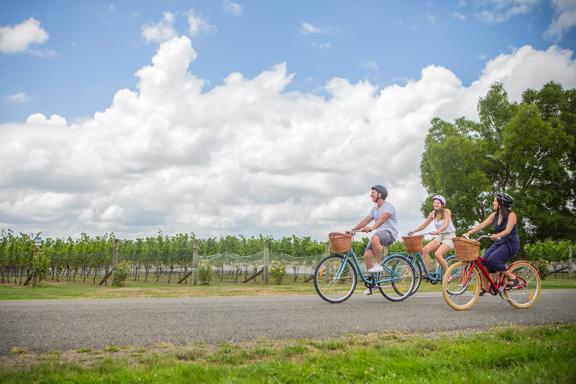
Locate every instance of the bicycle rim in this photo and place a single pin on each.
(397, 279)
(525, 295)
(335, 279)
(461, 286)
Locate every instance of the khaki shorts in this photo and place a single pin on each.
(446, 238)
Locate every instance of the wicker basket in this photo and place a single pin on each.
(466, 249)
(340, 242)
(413, 243)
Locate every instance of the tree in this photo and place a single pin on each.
(526, 149)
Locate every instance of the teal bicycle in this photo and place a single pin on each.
(413, 244)
(336, 276)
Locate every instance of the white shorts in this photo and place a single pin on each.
(446, 238)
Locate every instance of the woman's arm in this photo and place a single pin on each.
(512, 220)
(482, 225)
(424, 224)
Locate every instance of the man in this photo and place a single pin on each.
(385, 225)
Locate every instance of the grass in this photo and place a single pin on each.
(509, 355)
(53, 290)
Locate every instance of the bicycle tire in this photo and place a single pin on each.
(402, 283)
(462, 292)
(335, 289)
(417, 275)
(525, 296)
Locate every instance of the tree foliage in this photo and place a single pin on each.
(526, 149)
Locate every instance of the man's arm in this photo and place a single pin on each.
(385, 216)
(365, 221)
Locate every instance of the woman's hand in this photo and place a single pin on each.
(466, 235)
(434, 233)
(494, 237)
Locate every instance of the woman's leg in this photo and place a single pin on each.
(430, 247)
(439, 254)
(499, 258)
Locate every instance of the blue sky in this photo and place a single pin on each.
(94, 47)
(247, 117)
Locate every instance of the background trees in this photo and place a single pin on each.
(526, 149)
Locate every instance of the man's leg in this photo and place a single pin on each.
(369, 257)
(377, 247)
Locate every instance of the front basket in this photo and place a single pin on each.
(413, 244)
(340, 242)
(466, 249)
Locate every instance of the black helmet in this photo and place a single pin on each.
(382, 191)
(504, 199)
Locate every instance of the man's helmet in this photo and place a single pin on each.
(382, 191)
(504, 199)
(440, 198)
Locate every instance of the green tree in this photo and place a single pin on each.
(526, 149)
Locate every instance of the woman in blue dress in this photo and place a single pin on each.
(506, 241)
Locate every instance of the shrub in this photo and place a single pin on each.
(204, 274)
(120, 274)
(277, 271)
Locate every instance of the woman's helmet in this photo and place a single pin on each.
(440, 198)
(504, 199)
(382, 191)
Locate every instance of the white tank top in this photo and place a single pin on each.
(438, 224)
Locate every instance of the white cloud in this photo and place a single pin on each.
(232, 7)
(161, 31)
(18, 98)
(565, 19)
(19, 37)
(198, 24)
(245, 157)
(431, 19)
(499, 11)
(370, 65)
(459, 16)
(307, 28)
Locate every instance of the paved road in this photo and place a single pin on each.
(44, 325)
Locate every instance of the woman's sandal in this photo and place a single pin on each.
(482, 292)
(513, 283)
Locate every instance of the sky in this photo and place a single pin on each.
(247, 117)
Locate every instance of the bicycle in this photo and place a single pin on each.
(336, 275)
(461, 284)
(413, 244)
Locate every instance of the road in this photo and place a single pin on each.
(45, 325)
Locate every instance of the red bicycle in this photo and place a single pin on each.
(462, 285)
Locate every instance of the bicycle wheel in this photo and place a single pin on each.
(527, 293)
(463, 289)
(335, 279)
(396, 282)
(418, 273)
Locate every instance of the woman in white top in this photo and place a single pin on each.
(443, 229)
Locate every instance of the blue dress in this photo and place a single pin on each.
(503, 250)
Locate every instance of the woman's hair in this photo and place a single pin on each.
(503, 212)
(441, 212)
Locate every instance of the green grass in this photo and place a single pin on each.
(52, 290)
(506, 355)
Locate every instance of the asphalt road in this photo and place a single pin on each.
(45, 325)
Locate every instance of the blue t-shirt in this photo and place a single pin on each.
(391, 224)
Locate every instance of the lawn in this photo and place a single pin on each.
(544, 354)
(53, 290)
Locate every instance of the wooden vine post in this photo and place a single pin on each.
(266, 260)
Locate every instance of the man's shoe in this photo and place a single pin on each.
(375, 269)
(368, 291)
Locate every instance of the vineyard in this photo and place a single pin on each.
(184, 257)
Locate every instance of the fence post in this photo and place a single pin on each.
(194, 262)
(115, 253)
(570, 262)
(266, 259)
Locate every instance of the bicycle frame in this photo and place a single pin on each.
(367, 279)
(495, 286)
